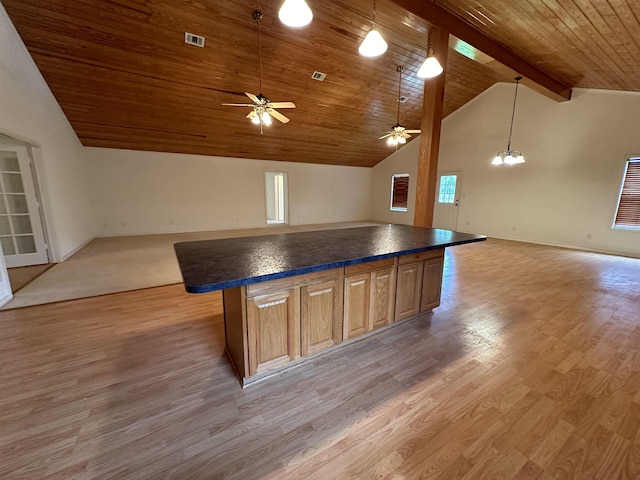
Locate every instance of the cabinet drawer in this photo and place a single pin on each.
(292, 282)
(421, 256)
(369, 266)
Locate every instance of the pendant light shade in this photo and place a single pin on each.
(508, 156)
(430, 68)
(295, 13)
(373, 44)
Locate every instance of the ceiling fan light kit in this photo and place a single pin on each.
(295, 13)
(508, 156)
(373, 44)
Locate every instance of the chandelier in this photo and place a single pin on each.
(508, 156)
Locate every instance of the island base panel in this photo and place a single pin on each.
(270, 326)
(235, 329)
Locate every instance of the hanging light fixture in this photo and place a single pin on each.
(373, 44)
(295, 13)
(263, 110)
(431, 66)
(508, 156)
(398, 134)
(259, 115)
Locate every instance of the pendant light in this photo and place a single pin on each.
(373, 44)
(295, 13)
(508, 156)
(431, 66)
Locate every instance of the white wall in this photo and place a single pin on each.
(405, 160)
(30, 113)
(136, 192)
(565, 194)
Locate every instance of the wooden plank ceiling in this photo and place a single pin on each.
(125, 78)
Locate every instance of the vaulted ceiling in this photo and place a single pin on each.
(125, 78)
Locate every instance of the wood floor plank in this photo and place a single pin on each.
(530, 368)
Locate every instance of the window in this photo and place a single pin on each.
(628, 211)
(447, 192)
(399, 192)
(276, 192)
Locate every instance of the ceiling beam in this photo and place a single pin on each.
(438, 16)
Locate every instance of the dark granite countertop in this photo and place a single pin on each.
(210, 265)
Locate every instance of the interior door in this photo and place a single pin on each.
(21, 233)
(445, 210)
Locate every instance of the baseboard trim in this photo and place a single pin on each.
(76, 250)
(570, 247)
(223, 229)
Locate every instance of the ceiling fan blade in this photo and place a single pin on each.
(412, 131)
(282, 105)
(238, 104)
(277, 115)
(253, 97)
(385, 136)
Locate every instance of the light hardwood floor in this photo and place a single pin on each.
(529, 369)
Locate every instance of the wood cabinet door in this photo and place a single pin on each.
(356, 305)
(273, 330)
(431, 283)
(408, 290)
(383, 292)
(321, 316)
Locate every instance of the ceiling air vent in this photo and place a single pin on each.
(319, 76)
(403, 99)
(193, 39)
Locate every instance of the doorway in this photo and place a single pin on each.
(447, 202)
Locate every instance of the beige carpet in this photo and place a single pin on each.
(117, 264)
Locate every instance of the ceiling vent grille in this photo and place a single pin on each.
(193, 39)
(319, 76)
(403, 99)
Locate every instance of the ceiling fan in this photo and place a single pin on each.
(262, 108)
(398, 133)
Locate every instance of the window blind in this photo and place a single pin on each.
(628, 214)
(400, 192)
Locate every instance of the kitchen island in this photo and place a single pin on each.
(288, 297)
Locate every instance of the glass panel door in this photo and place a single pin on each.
(21, 234)
(445, 210)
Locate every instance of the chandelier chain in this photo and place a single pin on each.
(513, 113)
